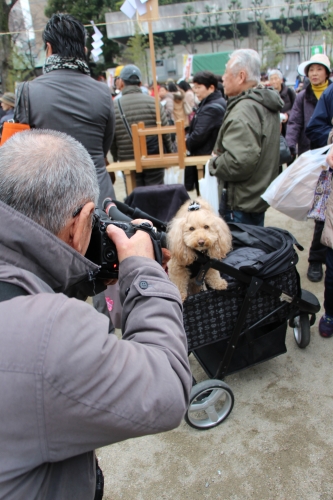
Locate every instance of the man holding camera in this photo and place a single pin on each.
(66, 386)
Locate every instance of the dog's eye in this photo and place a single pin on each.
(206, 227)
(191, 228)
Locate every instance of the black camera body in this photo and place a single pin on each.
(103, 252)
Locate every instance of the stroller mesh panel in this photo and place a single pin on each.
(211, 315)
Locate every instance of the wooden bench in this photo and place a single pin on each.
(129, 168)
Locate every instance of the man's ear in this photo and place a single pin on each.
(242, 76)
(49, 50)
(77, 231)
(80, 231)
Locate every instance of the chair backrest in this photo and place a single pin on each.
(141, 156)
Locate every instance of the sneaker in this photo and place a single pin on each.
(326, 326)
(315, 271)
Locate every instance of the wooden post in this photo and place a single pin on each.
(149, 17)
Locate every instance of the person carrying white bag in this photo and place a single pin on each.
(301, 192)
(292, 192)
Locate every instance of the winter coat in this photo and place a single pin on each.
(327, 234)
(179, 107)
(320, 124)
(189, 98)
(288, 97)
(248, 148)
(167, 104)
(206, 124)
(66, 386)
(71, 102)
(137, 107)
(300, 116)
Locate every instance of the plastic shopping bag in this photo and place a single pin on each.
(208, 187)
(292, 192)
(171, 175)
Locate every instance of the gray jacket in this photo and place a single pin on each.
(66, 386)
(137, 107)
(69, 101)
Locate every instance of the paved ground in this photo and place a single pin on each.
(276, 444)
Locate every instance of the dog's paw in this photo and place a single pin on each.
(218, 283)
(221, 284)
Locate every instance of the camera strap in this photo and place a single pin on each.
(10, 291)
(147, 228)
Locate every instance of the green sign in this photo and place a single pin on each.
(317, 49)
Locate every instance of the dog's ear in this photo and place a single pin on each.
(179, 251)
(223, 243)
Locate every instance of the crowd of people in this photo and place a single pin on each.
(80, 387)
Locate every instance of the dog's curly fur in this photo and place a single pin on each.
(200, 230)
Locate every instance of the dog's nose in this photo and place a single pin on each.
(201, 243)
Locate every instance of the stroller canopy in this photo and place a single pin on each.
(262, 251)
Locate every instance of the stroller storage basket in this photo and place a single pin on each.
(264, 343)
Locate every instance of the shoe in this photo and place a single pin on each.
(326, 326)
(315, 272)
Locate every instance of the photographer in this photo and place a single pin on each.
(66, 386)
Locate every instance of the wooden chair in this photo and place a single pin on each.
(161, 160)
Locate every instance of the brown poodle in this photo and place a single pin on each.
(195, 227)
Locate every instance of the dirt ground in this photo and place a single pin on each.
(276, 443)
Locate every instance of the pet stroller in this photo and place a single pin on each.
(246, 324)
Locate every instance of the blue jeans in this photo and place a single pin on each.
(328, 294)
(252, 218)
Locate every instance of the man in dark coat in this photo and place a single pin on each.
(67, 99)
(137, 107)
(206, 122)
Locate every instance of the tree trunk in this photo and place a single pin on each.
(5, 44)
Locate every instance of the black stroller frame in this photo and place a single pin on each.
(261, 300)
(212, 400)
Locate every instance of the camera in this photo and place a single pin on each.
(103, 252)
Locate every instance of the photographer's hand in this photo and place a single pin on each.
(139, 245)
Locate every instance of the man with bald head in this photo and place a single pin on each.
(246, 154)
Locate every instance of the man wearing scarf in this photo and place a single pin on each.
(67, 99)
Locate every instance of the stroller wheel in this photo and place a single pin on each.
(211, 402)
(301, 325)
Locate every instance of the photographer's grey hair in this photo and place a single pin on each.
(248, 60)
(275, 72)
(46, 175)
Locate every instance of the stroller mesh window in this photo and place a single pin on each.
(211, 315)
